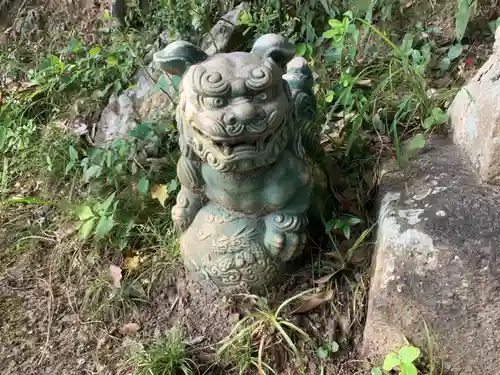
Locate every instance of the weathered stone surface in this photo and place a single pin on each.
(436, 264)
(227, 34)
(143, 103)
(475, 118)
(244, 121)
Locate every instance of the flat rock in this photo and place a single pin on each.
(436, 264)
(475, 118)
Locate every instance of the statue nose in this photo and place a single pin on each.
(244, 113)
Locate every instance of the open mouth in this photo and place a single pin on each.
(229, 148)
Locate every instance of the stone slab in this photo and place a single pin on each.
(436, 264)
(475, 118)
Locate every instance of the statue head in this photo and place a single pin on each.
(234, 108)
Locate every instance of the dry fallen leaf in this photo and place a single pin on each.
(310, 302)
(160, 193)
(129, 329)
(115, 273)
(65, 230)
(132, 262)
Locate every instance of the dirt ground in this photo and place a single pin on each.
(43, 331)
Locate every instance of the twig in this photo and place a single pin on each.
(50, 314)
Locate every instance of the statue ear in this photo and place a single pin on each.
(274, 46)
(178, 56)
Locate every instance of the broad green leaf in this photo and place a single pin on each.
(347, 232)
(162, 84)
(353, 221)
(322, 352)
(73, 154)
(330, 95)
(406, 45)
(408, 369)
(107, 15)
(338, 224)
(94, 51)
(391, 361)
(444, 64)
(329, 34)
(172, 186)
(176, 81)
(301, 49)
(428, 122)
(103, 207)
(141, 131)
(74, 45)
(94, 170)
(462, 19)
(329, 226)
(143, 185)
(70, 165)
(111, 61)
(408, 354)
(416, 142)
(440, 117)
(3, 136)
(86, 228)
(103, 227)
(455, 51)
(335, 23)
(376, 371)
(85, 213)
(245, 18)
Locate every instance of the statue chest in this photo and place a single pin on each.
(259, 192)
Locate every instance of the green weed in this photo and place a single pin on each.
(257, 333)
(167, 356)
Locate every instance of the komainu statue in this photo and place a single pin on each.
(246, 124)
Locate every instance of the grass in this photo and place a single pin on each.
(167, 356)
(261, 331)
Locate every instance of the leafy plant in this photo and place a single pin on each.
(97, 219)
(403, 361)
(324, 351)
(436, 117)
(344, 222)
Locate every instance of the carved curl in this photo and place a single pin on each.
(209, 83)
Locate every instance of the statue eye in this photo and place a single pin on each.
(214, 102)
(261, 98)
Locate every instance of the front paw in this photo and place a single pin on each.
(185, 210)
(285, 235)
(182, 217)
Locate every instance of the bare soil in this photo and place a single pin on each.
(44, 332)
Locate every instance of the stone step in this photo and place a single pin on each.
(436, 264)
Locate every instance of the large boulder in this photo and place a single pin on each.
(437, 261)
(475, 118)
(146, 101)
